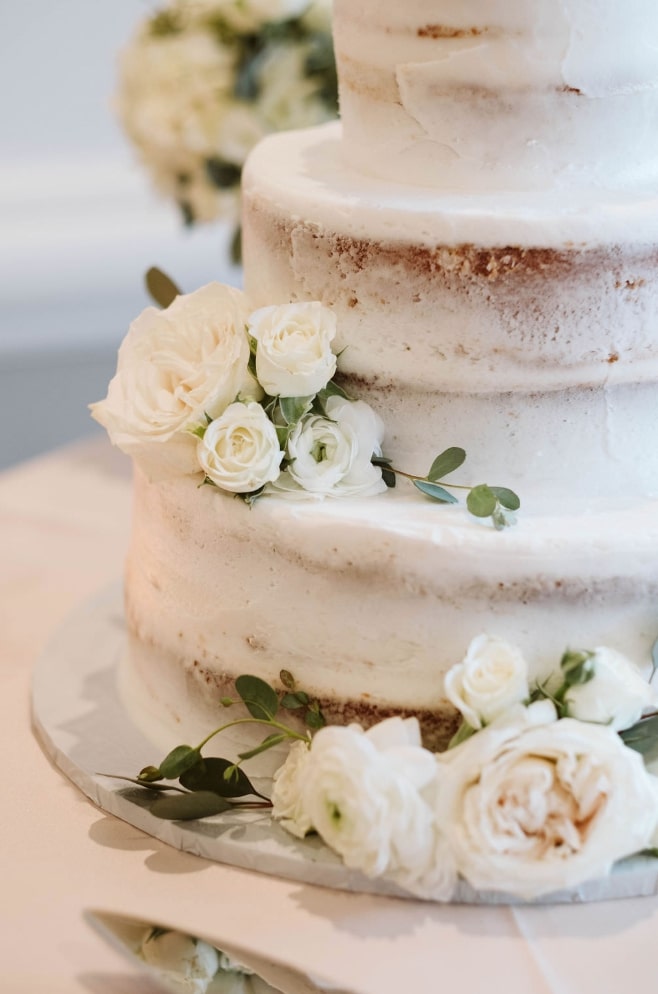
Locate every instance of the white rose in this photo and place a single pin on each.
(287, 806)
(290, 98)
(240, 450)
(174, 367)
(294, 357)
(188, 965)
(331, 457)
(616, 695)
(363, 794)
(530, 807)
(492, 677)
(318, 17)
(276, 10)
(240, 128)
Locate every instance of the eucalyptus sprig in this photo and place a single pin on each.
(483, 501)
(211, 785)
(577, 668)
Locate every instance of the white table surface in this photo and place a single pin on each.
(64, 524)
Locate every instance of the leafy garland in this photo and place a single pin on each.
(211, 785)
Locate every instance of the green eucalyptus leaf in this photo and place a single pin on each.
(236, 246)
(292, 702)
(210, 775)
(389, 478)
(294, 408)
(481, 501)
(507, 498)
(178, 761)
(223, 174)
(577, 667)
(287, 679)
(447, 462)
(260, 699)
(149, 784)
(267, 743)
(149, 774)
(436, 492)
(185, 807)
(314, 718)
(161, 288)
(643, 738)
(465, 731)
(251, 497)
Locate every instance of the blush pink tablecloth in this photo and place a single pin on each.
(64, 525)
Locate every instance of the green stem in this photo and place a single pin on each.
(269, 722)
(442, 483)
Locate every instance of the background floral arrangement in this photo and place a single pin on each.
(203, 80)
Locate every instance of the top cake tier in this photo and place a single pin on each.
(481, 95)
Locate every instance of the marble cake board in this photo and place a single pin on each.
(84, 728)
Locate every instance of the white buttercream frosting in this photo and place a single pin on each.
(500, 94)
(370, 600)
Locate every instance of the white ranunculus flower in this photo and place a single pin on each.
(492, 677)
(331, 457)
(364, 795)
(174, 367)
(294, 357)
(287, 806)
(531, 806)
(188, 965)
(616, 695)
(240, 450)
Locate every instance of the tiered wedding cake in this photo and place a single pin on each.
(485, 227)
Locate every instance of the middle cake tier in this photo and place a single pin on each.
(368, 602)
(523, 328)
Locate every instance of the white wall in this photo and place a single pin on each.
(78, 223)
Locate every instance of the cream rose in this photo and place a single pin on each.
(186, 964)
(533, 805)
(294, 357)
(364, 795)
(240, 450)
(616, 695)
(492, 677)
(331, 457)
(287, 806)
(174, 367)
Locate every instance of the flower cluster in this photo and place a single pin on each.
(538, 791)
(204, 80)
(245, 397)
(189, 965)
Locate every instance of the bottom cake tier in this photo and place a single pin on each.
(366, 602)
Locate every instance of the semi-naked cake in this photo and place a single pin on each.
(484, 224)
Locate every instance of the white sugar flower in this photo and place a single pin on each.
(174, 367)
(294, 357)
(287, 806)
(331, 457)
(616, 695)
(240, 450)
(364, 795)
(531, 806)
(492, 677)
(187, 965)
